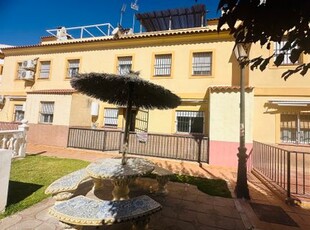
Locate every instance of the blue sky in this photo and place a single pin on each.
(24, 22)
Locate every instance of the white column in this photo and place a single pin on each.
(22, 148)
(5, 168)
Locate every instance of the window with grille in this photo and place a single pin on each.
(295, 128)
(110, 117)
(124, 65)
(45, 69)
(73, 68)
(190, 121)
(47, 112)
(142, 119)
(18, 113)
(19, 70)
(277, 49)
(162, 66)
(202, 63)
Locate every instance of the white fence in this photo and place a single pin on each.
(15, 140)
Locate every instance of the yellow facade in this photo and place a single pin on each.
(220, 109)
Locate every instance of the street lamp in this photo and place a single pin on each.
(242, 190)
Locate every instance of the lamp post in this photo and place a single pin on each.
(241, 188)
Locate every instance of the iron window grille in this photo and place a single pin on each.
(18, 113)
(124, 65)
(47, 112)
(110, 117)
(73, 68)
(277, 49)
(45, 69)
(162, 66)
(142, 120)
(190, 121)
(295, 128)
(19, 70)
(202, 63)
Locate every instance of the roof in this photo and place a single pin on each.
(53, 91)
(173, 18)
(200, 30)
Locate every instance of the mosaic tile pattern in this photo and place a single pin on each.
(81, 210)
(69, 182)
(111, 168)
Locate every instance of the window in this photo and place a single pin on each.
(110, 117)
(202, 63)
(277, 50)
(73, 68)
(295, 128)
(19, 70)
(142, 119)
(124, 65)
(162, 66)
(1, 69)
(45, 69)
(190, 121)
(18, 113)
(47, 112)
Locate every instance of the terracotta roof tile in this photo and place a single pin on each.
(229, 88)
(133, 36)
(53, 91)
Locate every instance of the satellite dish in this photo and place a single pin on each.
(115, 31)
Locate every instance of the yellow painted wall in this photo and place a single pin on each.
(271, 76)
(225, 116)
(62, 108)
(102, 58)
(80, 111)
(7, 110)
(266, 123)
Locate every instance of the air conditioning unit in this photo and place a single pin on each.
(29, 64)
(2, 99)
(27, 75)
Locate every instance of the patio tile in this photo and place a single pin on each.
(26, 224)
(46, 226)
(206, 219)
(229, 223)
(10, 221)
(169, 212)
(185, 207)
(188, 216)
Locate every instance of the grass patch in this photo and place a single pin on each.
(30, 177)
(212, 187)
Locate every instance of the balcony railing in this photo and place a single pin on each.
(15, 140)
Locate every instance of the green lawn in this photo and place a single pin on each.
(31, 176)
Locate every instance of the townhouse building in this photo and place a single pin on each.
(177, 49)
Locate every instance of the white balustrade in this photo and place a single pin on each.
(15, 140)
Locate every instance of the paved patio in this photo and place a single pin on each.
(185, 207)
